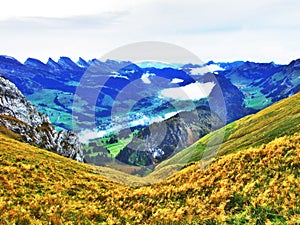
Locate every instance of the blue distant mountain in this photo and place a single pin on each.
(246, 86)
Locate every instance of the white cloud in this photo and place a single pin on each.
(145, 77)
(63, 9)
(266, 30)
(86, 135)
(193, 91)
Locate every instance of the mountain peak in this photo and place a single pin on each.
(35, 63)
(67, 63)
(51, 61)
(82, 63)
(54, 65)
(295, 64)
(9, 59)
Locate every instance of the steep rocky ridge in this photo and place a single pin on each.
(21, 117)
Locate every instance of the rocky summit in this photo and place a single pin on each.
(20, 117)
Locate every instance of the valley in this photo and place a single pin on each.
(172, 162)
(127, 100)
(129, 112)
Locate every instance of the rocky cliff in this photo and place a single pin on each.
(21, 117)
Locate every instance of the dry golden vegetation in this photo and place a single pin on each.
(256, 186)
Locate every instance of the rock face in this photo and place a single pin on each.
(21, 117)
(68, 145)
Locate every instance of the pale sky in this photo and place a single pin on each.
(262, 31)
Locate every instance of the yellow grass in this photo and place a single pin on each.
(255, 186)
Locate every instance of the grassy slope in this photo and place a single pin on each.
(282, 118)
(254, 186)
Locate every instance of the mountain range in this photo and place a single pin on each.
(58, 82)
(88, 95)
(246, 86)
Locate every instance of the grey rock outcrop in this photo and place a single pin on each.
(21, 117)
(68, 145)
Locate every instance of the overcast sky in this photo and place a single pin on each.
(264, 30)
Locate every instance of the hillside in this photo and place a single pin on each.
(282, 118)
(157, 142)
(255, 186)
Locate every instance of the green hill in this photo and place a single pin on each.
(282, 118)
